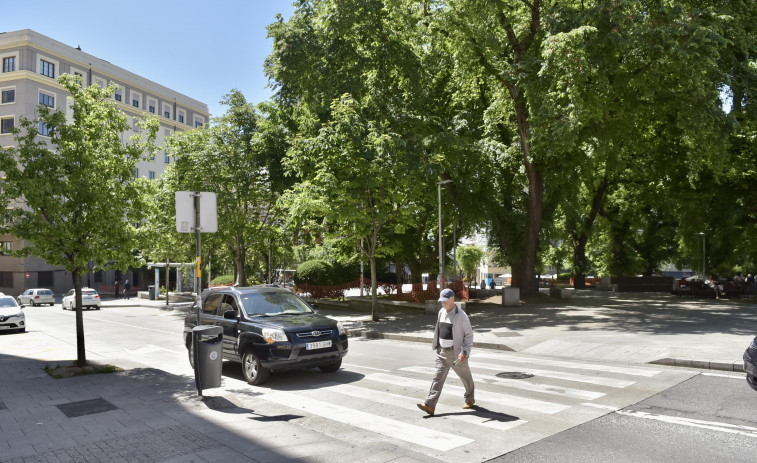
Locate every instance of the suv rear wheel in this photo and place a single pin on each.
(252, 370)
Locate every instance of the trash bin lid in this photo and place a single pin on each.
(207, 330)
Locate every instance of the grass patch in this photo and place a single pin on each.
(61, 371)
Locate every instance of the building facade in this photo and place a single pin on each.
(31, 63)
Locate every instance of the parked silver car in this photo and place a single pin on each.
(36, 296)
(89, 299)
(11, 315)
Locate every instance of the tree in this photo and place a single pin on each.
(354, 184)
(469, 258)
(74, 198)
(227, 159)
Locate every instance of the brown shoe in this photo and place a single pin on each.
(426, 409)
(469, 405)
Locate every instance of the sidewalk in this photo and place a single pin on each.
(154, 415)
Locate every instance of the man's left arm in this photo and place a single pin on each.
(468, 336)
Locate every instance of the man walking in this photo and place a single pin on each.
(453, 340)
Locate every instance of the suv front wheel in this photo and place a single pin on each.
(252, 370)
(331, 368)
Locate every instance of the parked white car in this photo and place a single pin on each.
(89, 299)
(36, 296)
(12, 317)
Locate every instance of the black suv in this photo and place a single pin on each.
(268, 328)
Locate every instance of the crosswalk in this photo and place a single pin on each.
(509, 413)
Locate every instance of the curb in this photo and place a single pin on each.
(701, 364)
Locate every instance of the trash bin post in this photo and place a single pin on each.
(207, 341)
(151, 292)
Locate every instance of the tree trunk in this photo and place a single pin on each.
(374, 292)
(240, 260)
(398, 273)
(81, 356)
(533, 227)
(579, 262)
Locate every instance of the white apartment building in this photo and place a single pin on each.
(31, 63)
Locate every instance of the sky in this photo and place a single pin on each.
(203, 50)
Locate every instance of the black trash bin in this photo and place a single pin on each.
(151, 292)
(208, 356)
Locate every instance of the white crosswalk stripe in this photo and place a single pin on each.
(409, 403)
(566, 364)
(392, 428)
(507, 400)
(526, 385)
(593, 379)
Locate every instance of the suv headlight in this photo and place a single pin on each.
(271, 335)
(340, 327)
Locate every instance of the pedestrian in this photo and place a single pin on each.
(117, 287)
(453, 341)
(127, 287)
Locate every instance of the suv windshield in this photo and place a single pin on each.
(273, 303)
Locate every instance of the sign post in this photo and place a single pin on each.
(199, 209)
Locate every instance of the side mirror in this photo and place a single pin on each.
(315, 307)
(230, 315)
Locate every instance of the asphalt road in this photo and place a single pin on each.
(567, 411)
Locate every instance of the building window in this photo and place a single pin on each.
(118, 95)
(166, 158)
(9, 64)
(180, 116)
(44, 130)
(6, 247)
(198, 124)
(151, 175)
(7, 124)
(47, 100)
(47, 68)
(167, 114)
(6, 279)
(136, 173)
(135, 102)
(151, 109)
(9, 95)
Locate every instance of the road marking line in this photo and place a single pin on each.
(409, 403)
(436, 440)
(610, 382)
(574, 365)
(364, 367)
(523, 384)
(713, 425)
(505, 400)
(723, 375)
(602, 407)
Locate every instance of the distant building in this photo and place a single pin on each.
(31, 63)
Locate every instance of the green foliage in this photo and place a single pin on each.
(314, 272)
(226, 280)
(469, 258)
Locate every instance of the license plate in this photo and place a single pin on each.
(5, 327)
(318, 345)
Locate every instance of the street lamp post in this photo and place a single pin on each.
(441, 243)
